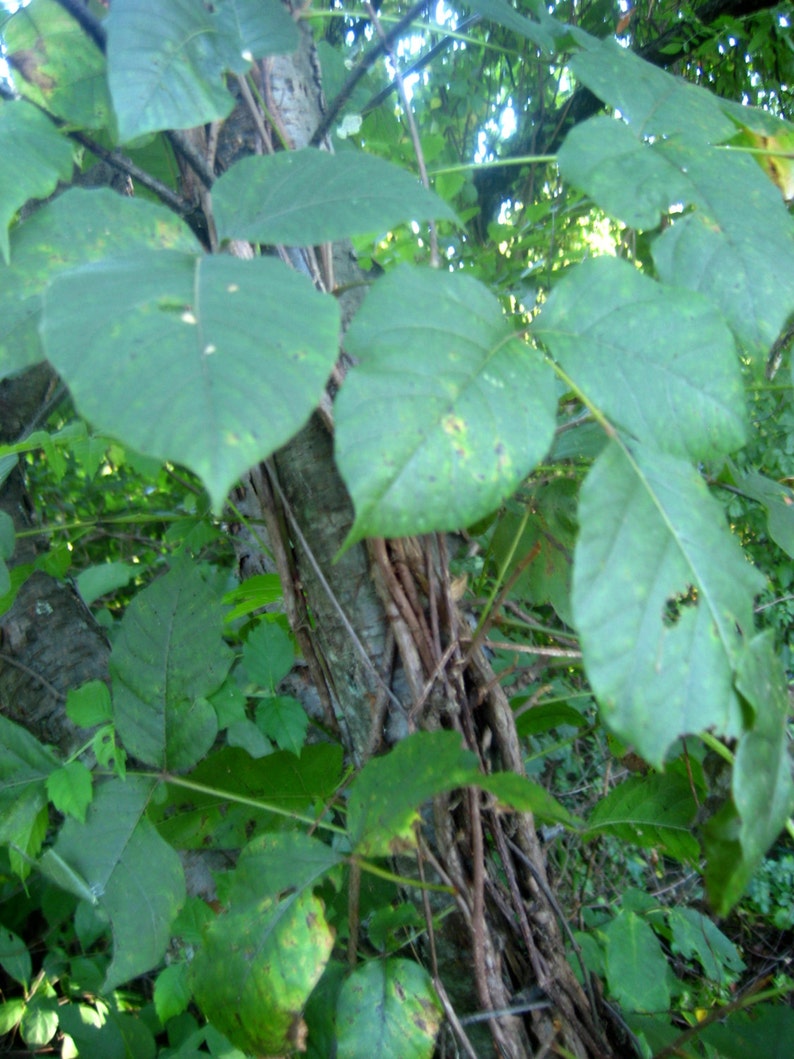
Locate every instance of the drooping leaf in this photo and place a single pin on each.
(662, 597)
(383, 808)
(257, 966)
(762, 791)
(128, 871)
(652, 811)
(446, 412)
(193, 342)
(169, 654)
(387, 1008)
(659, 362)
(503, 14)
(174, 78)
(33, 157)
(76, 227)
(96, 581)
(57, 65)
(522, 794)
(637, 972)
(303, 198)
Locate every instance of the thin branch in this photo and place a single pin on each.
(125, 165)
(367, 61)
(88, 22)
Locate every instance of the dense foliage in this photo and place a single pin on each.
(572, 362)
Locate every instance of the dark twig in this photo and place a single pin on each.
(88, 22)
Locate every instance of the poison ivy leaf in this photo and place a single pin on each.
(652, 811)
(209, 368)
(387, 1008)
(777, 499)
(284, 720)
(715, 249)
(15, 958)
(383, 809)
(273, 863)
(676, 157)
(767, 1030)
(446, 412)
(268, 655)
(174, 78)
(638, 975)
(659, 362)
(128, 871)
(302, 198)
(70, 789)
(503, 14)
(662, 597)
(34, 157)
(657, 103)
(95, 581)
(172, 992)
(628, 177)
(520, 793)
(169, 654)
(257, 966)
(190, 819)
(76, 227)
(695, 936)
(24, 767)
(59, 66)
(762, 791)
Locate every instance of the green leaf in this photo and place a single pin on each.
(168, 655)
(383, 809)
(307, 197)
(636, 969)
(777, 499)
(675, 157)
(762, 790)
(627, 176)
(7, 534)
(446, 412)
(172, 991)
(76, 227)
(96, 581)
(652, 811)
(767, 1031)
(71, 789)
(193, 342)
(271, 864)
(268, 655)
(58, 66)
(24, 767)
(34, 157)
(715, 249)
(128, 871)
(174, 78)
(662, 597)
(387, 1008)
(258, 591)
(503, 14)
(40, 1022)
(284, 720)
(659, 362)
(520, 793)
(193, 819)
(257, 967)
(15, 958)
(11, 1012)
(696, 937)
